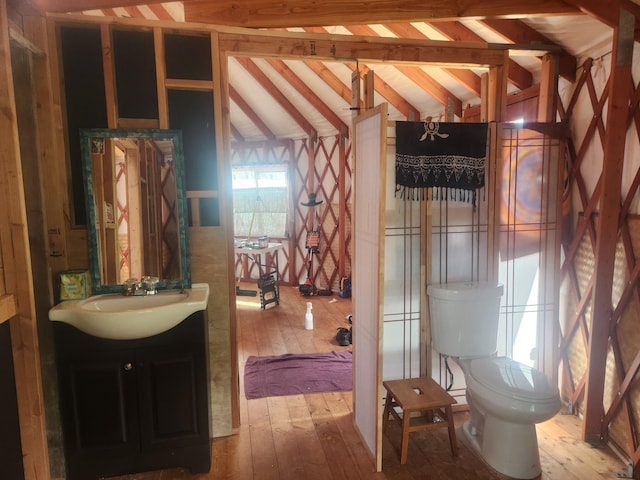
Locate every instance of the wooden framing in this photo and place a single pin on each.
(608, 224)
(271, 13)
(16, 297)
(18, 305)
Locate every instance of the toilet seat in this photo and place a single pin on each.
(506, 377)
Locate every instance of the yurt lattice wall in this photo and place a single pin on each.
(267, 152)
(328, 175)
(322, 167)
(582, 208)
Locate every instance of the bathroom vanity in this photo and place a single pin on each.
(134, 405)
(132, 358)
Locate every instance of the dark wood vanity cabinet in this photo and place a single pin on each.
(134, 405)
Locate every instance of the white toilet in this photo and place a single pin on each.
(506, 398)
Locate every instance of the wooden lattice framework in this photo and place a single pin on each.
(322, 167)
(620, 421)
(327, 174)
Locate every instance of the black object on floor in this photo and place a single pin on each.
(245, 293)
(343, 337)
(268, 290)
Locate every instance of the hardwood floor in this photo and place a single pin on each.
(312, 436)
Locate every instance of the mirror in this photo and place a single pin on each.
(136, 207)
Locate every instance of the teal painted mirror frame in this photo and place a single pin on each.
(94, 143)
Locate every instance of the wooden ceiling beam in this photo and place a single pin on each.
(467, 78)
(331, 79)
(516, 31)
(255, 71)
(429, 85)
(609, 12)
(309, 95)
(456, 31)
(302, 13)
(159, 11)
(250, 113)
(328, 47)
(385, 90)
(418, 76)
(391, 95)
(67, 6)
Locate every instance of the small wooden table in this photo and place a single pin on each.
(419, 395)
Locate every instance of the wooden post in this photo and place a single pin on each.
(608, 224)
(496, 108)
(369, 90)
(18, 282)
(342, 207)
(548, 89)
(355, 91)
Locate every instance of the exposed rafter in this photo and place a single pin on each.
(518, 75)
(296, 13)
(250, 113)
(309, 95)
(268, 85)
(381, 87)
(465, 77)
(390, 94)
(406, 46)
(608, 12)
(330, 79)
(516, 31)
(418, 76)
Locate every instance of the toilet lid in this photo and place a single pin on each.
(508, 377)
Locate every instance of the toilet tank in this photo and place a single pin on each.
(464, 318)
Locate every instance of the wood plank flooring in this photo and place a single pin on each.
(312, 437)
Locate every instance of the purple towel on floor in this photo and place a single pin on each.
(293, 374)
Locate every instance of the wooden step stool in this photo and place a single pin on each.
(268, 290)
(421, 395)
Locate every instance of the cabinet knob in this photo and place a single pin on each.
(128, 366)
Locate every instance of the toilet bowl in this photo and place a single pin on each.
(506, 398)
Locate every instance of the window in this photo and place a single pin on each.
(260, 200)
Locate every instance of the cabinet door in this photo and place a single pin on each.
(100, 404)
(173, 397)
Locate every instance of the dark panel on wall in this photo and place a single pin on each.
(83, 78)
(209, 212)
(196, 65)
(10, 450)
(135, 67)
(191, 112)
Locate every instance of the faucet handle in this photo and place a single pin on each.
(150, 284)
(130, 286)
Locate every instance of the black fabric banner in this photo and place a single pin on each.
(444, 159)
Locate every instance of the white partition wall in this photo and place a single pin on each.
(403, 284)
(387, 276)
(368, 273)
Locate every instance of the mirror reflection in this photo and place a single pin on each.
(135, 207)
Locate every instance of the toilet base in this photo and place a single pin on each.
(509, 448)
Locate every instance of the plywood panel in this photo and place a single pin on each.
(209, 265)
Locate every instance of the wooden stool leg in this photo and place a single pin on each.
(452, 431)
(406, 418)
(387, 411)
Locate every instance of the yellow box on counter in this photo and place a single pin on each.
(75, 284)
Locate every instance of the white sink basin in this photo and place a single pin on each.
(117, 317)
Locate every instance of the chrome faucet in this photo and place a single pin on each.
(146, 286)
